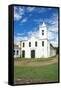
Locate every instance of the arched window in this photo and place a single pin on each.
(29, 44)
(23, 53)
(36, 43)
(43, 43)
(23, 44)
(42, 32)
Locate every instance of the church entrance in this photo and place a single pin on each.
(23, 53)
(32, 53)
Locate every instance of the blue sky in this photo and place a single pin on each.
(28, 19)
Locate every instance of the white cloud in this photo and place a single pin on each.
(53, 29)
(33, 33)
(21, 10)
(17, 17)
(36, 34)
(20, 34)
(30, 9)
(24, 20)
(53, 21)
(50, 35)
(38, 20)
(30, 33)
(18, 13)
(17, 39)
(53, 39)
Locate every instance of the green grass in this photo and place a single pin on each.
(47, 72)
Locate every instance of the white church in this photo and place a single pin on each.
(36, 47)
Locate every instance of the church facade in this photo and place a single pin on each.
(37, 47)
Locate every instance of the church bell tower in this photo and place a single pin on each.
(43, 31)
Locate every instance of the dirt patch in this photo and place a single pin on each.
(28, 63)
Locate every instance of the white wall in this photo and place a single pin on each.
(48, 49)
(39, 50)
(52, 51)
